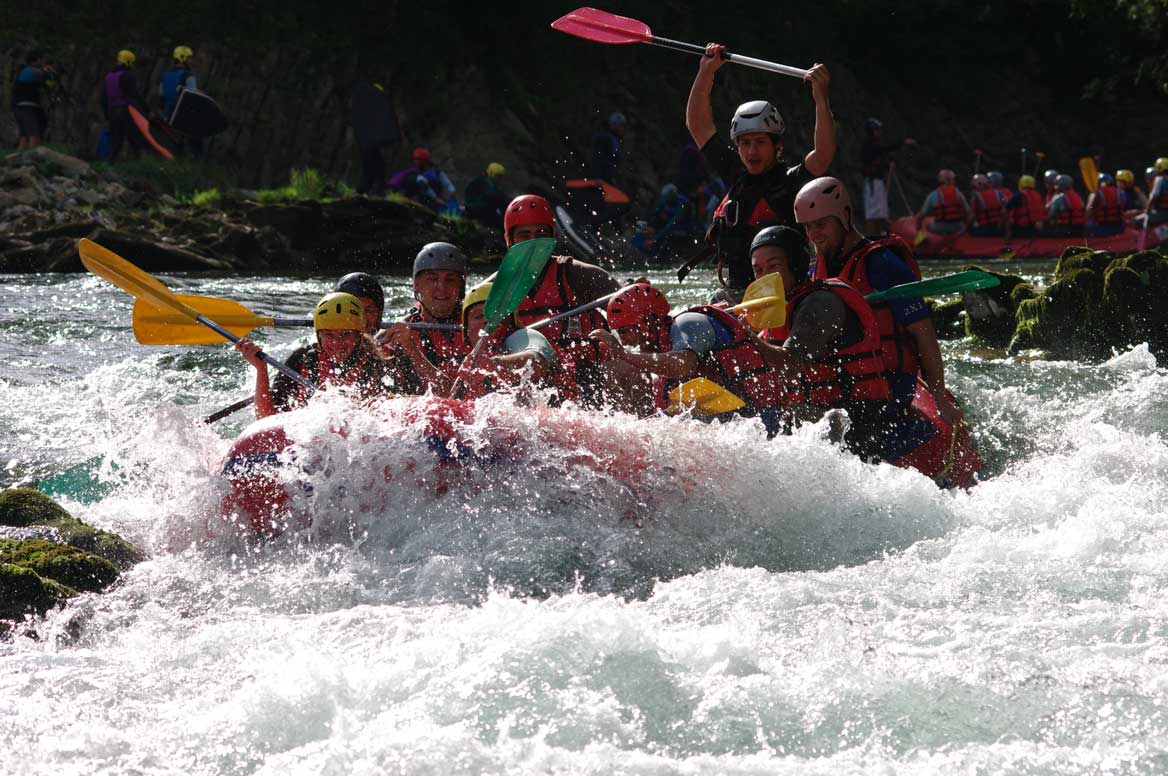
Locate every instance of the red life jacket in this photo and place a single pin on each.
(738, 365)
(1032, 211)
(441, 347)
(987, 207)
(947, 207)
(362, 370)
(1073, 214)
(898, 345)
(853, 373)
(553, 294)
(1107, 207)
(1160, 202)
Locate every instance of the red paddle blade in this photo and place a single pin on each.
(603, 27)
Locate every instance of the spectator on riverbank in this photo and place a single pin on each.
(606, 148)
(424, 182)
(27, 93)
(877, 168)
(120, 91)
(484, 199)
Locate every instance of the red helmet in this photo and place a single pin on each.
(527, 210)
(421, 154)
(823, 197)
(632, 304)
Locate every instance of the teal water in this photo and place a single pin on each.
(722, 604)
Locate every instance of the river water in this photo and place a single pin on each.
(692, 599)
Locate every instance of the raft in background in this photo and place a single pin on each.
(949, 246)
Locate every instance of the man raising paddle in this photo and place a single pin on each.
(764, 188)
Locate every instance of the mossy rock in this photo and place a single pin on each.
(25, 506)
(989, 313)
(22, 591)
(61, 563)
(1077, 257)
(948, 318)
(1021, 293)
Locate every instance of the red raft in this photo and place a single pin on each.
(949, 458)
(963, 245)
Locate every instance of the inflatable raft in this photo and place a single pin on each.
(965, 246)
(268, 468)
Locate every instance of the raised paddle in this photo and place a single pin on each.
(108, 265)
(969, 280)
(603, 27)
(153, 326)
(1090, 173)
(517, 273)
(704, 397)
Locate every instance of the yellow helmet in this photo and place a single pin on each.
(1026, 182)
(126, 57)
(1125, 176)
(1161, 164)
(182, 53)
(339, 312)
(494, 170)
(476, 295)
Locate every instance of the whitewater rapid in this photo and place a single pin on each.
(693, 599)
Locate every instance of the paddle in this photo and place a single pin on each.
(978, 153)
(153, 326)
(765, 303)
(517, 273)
(969, 280)
(1090, 173)
(112, 267)
(1038, 157)
(1023, 168)
(603, 27)
(704, 397)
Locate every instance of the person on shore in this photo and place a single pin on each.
(343, 356)
(763, 187)
(119, 92)
(910, 346)
(1104, 210)
(947, 207)
(424, 182)
(506, 356)
(1065, 215)
(988, 209)
(428, 359)
(27, 100)
(877, 168)
(607, 149)
(484, 198)
(1025, 211)
(564, 283)
(175, 79)
(1130, 196)
(1156, 211)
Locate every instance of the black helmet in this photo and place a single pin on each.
(793, 243)
(872, 123)
(362, 284)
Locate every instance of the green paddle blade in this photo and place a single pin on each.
(970, 280)
(521, 266)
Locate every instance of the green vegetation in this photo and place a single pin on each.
(180, 178)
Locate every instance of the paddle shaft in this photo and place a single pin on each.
(738, 59)
(278, 365)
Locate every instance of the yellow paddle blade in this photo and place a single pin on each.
(108, 265)
(161, 326)
(704, 397)
(921, 236)
(1090, 173)
(765, 303)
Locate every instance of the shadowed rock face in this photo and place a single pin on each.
(47, 556)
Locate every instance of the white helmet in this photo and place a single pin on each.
(756, 116)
